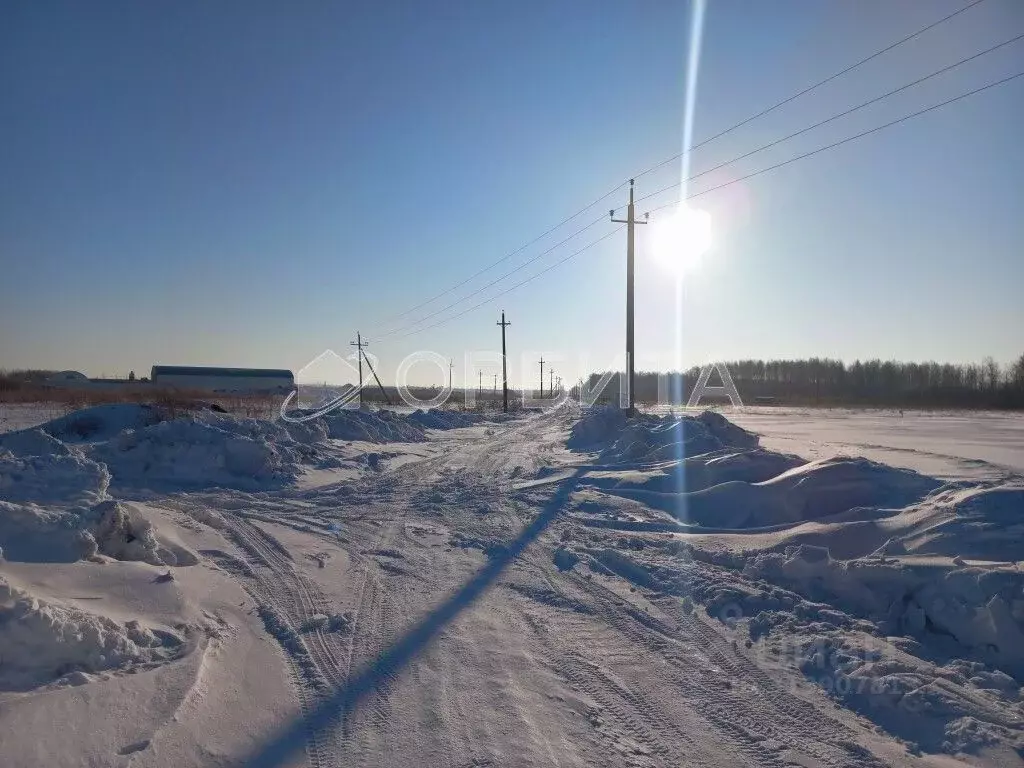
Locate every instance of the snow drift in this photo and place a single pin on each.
(813, 491)
(372, 426)
(442, 419)
(205, 451)
(972, 523)
(102, 422)
(43, 641)
(982, 609)
(618, 437)
(55, 508)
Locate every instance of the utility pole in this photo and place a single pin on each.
(551, 380)
(451, 365)
(495, 383)
(504, 364)
(480, 383)
(630, 223)
(359, 344)
(542, 377)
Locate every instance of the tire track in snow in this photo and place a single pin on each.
(293, 600)
(760, 726)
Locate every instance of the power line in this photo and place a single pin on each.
(844, 113)
(399, 328)
(493, 282)
(810, 88)
(721, 186)
(839, 143)
(403, 329)
(521, 283)
(505, 258)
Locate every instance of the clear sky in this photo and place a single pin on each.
(250, 183)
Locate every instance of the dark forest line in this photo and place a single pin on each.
(826, 382)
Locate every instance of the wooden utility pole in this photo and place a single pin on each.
(630, 222)
(495, 383)
(542, 377)
(551, 381)
(504, 364)
(359, 344)
(480, 383)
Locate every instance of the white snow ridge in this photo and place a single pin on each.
(573, 587)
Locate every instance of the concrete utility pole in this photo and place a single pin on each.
(495, 383)
(359, 344)
(451, 365)
(630, 223)
(504, 364)
(542, 376)
(480, 383)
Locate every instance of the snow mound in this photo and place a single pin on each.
(976, 523)
(122, 533)
(55, 509)
(52, 479)
(207, 450)
(33, 442)
(813, 491)
(619, 437)
(940, 709)
(101, 422)
(695, 473)
(42, 500)
(442, 419)
(982, 609)
(43, 641)
(372, 426)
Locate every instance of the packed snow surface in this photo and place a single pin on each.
(557, 587)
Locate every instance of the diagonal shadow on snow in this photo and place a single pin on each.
(292, 739)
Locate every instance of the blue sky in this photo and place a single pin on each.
(250, 183)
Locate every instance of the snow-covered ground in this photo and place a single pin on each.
(557, 589)
(945, 444)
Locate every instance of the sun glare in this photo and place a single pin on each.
(680, 241)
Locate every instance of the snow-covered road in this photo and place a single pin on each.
(523, 592)
(548, 666)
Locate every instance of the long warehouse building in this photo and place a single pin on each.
(213, 379)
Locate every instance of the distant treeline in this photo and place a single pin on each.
(826, 382)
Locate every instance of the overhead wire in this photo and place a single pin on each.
(838, 115)
(401, 331)
(399, 328)
(506, 257)
(835, 144)
(773, 167)
(810, 88)
(521, 283)
(497, 280)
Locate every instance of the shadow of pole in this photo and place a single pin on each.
(343, 701)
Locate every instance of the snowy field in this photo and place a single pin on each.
(946, 444)
(797, 588)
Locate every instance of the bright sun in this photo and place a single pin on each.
(680, 240)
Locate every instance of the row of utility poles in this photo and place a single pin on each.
(630, 221)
